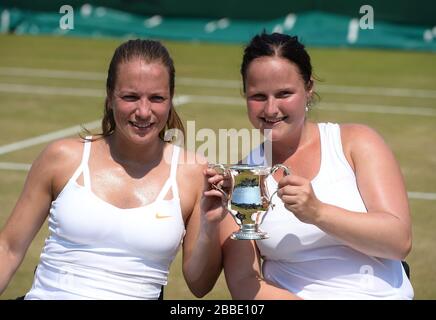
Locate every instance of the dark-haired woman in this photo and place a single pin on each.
(120, 203)
(341, 223)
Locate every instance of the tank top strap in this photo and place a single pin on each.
(83, 167)
(173, 174)
(332, 138)
(171, 181)
(327, 138)
(324, 138)
(333, 159)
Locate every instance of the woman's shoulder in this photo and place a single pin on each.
(62, 153)
(190, 178)
(57, 160)
(359, 138)
(68, 148)
(358, 133)
(355, 130)
(191, 162)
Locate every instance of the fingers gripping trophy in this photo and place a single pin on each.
(248, 199)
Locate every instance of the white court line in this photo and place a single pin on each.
(334, 106)
(377, 91)
(209, 83)
(57, 91)
(331, 106)
(373, 108)
(422, 195)
(220, 83)
(180, 100)
(322, 88)
(47, 137)
(217, 100)
(15, 166)
(50, 73)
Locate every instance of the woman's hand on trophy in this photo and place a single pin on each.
(298, 197)
(215, 195)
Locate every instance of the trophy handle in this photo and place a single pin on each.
(280, 166)
(286, 172)
(222, 170)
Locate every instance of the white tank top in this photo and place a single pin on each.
(305, 260)
(96, 250)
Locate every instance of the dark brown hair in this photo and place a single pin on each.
(280, 45)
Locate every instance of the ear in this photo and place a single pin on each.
(310, 87)
(109, 104)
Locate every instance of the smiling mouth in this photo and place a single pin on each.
(274, 120)
(141, 125)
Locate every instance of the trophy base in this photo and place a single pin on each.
(253, 235)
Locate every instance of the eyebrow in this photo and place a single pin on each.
(276, 90)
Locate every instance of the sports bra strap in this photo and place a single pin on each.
(83, 167)
(85, 158)
(173, 174)
(171, 182)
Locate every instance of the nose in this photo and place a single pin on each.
(143, 109)
(271, 107)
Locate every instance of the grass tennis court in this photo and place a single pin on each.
(53, 83)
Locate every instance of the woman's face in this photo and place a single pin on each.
(141, 100)
(276, 96)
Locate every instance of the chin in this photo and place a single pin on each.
(273, 135)
(144, 138)
(276, 139)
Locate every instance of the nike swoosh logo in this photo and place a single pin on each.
(160, 216)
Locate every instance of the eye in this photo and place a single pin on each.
(157, 99)
(257, 97)
(284, 94)
(130, 98)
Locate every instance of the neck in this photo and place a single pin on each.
(284, 149)
(128, 153)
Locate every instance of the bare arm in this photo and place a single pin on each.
(47, 176)
(201, 247)
(26, 218)
(385, 230)
(242, 268)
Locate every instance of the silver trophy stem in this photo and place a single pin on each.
(249, 232)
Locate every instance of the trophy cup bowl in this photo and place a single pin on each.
(248, 199)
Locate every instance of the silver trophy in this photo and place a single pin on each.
(248, 198)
